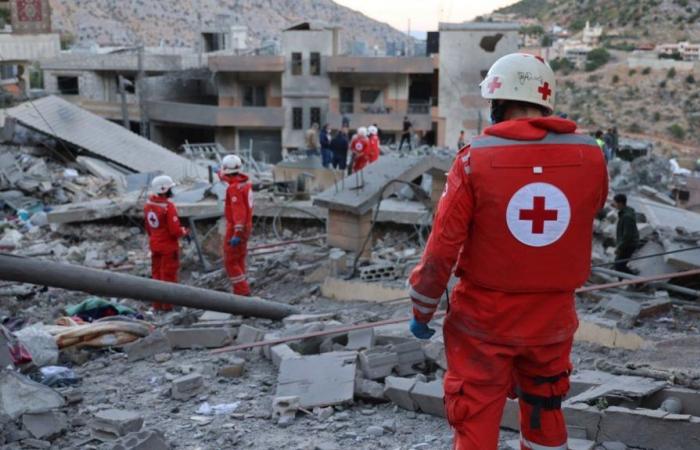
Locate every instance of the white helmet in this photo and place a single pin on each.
(522, 77)
(362, 131)
(231, 164)
(162, 184)
(372, 129)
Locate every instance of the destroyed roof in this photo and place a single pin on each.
(56, 117)
(359, 193)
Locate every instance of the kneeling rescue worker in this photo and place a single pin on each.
(164, 231)
(515, 219)
(238, 211)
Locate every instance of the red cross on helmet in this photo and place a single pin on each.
(522, 77)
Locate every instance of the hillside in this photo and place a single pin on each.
(647, 20)
(175, 22)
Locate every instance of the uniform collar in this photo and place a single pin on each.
(531, 129)
(239, 177)
(158, 199)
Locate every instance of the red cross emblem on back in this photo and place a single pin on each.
(538, 215)
(493, 85)
(545, 90)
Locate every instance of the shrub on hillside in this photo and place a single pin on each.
(676, 131)
(597, 58)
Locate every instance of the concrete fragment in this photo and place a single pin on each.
(410, 354)
(199, 337)
(604, 332)
(233, 369)
(613, 445)
(434, 351)
(215, 316)
(20, 395)
(352, 290)
(281, 352)
(361, 339)
(301, 319)
(142, 440)
(649, 429)
(398, 390)
(113, 423)
(369, 389)
(318, 380)
(35, 443)
(187, 386)
(627, 386)
(376, 431)
(378, 362)
(429, 397)
(151, 345)
(249, 335)
(45, 425)
(655, 306)
(285, 406)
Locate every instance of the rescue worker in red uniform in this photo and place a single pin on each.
(515, 223)
(360, 148)
(238, 211)
(164, 231)
(373, 144)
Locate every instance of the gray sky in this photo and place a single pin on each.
(424, 14)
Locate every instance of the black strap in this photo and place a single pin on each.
(551, 380)
(539, 403)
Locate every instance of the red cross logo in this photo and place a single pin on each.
(493, 85)
(544, 90)
(538, 215)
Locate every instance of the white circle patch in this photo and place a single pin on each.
(538, 214)
(153, 219)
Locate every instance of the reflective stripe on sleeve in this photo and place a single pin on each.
(551, 138)
(533, 446)
(423, 309)
(238, 279)
(425, 299)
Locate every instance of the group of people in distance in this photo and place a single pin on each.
(363, 146)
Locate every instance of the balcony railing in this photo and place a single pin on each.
(419, 108)
(347, 107)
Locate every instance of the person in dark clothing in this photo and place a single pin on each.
(615, 143)
(325, 140)
(609, 139)
(406, 135)
(627, 233)
(339, 149)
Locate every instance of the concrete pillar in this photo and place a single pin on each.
(348, 231)
(437, 188)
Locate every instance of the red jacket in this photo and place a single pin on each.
(373, 148)
(360, 148)
(516, 218)
(162, 224)
(238, 209)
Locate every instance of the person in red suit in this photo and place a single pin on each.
(238, 211)
(360, 148)
(164, 233)
(373, 143)
(514, 223)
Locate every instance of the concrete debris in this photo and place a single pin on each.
(142, 440)
(199, 337)
(248, 334)
(45, 425)
(379, 362)
(398, 390)
(281, 352)
(429, 397)
(361, 339)
(20, 395)
(232, 369)
(186, 387)
(151, 345)
(111, 424)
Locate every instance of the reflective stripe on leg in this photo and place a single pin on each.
(532, 446)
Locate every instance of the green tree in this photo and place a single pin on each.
(646, 71)
(597, 58)
(671, 73)
(690, 79)
(615, 79)
(676, 131)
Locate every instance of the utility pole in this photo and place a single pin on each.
(125, 108)
(141, 86)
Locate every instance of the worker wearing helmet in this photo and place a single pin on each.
(360, 148)
(514, 222)
(373, 144)
(164, 231)
(238, 211)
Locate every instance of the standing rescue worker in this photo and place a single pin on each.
(373, 143)
(238, 211)
(515, 219)
(360, 148)
(627, 233)
(164, 231)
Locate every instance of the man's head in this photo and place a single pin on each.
(620, 201)
(519, 85)
(599, 134)
(327, 127)
(461, 132)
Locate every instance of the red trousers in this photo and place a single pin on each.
(234, 261)
(165, 267)
(359, 163)
(481, 375)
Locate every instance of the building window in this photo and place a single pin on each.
(297, 119)
(254, 96)
(68, 85)
(8, 71)
(315, 63)
(347, 99)
(369, 96)
(315, 114)
(296, 63)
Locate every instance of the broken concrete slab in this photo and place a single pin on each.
(434, 351)
(45, 425)
(605, 332)
(232, 369)
(104, 208)
(215, 316)
(410, 355)
(378, 362)
(20, 395)
(361, 339)
(151, 345)
(625, 386)
(186, 387)
(429, 397)
(369, 390)
(249, 335)
(142, 440)
(398, 390)
(301, 319)
(114, 423)
(199, 337)
(319, 380)
(281, 352)
(351, 290)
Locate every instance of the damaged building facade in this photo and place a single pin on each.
(265, 102)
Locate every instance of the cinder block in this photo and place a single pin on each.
(429, 397)
(361, 339)
(46, 424)
(378, 362)
(584, 416)
(233, 369)
(649, 428)
(280, 352)
(113, 423)
(435, 352)
(369, 389)
(249, 335)
(410, 354)
(148, 346)
(186, 387)
(143, 440)
(199, 337)
(398, 390)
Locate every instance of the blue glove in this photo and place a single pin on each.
(421, 330)
(234, 241)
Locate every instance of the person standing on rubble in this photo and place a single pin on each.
(461, 142)
(515, 222)
(359, 146)
(406, 134)
(627, 233)
(164, 232)
(339, 147)
(238, 211)
(312, 143)
(373, 143)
